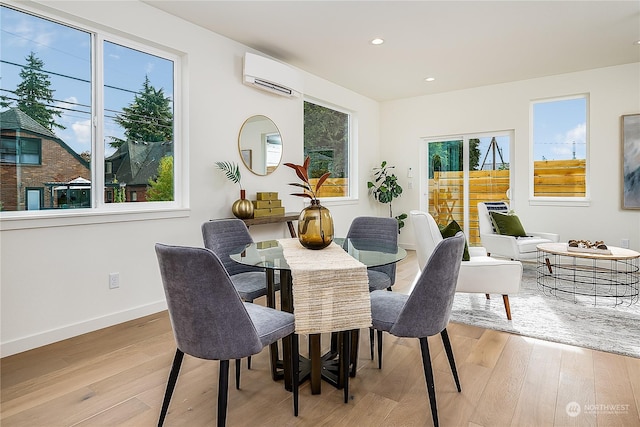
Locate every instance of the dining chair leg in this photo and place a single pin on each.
(223, 387)
(237, 374)
(428, 375)
(249, 362)
(295, 370)
(379, 349)
(371, 341)
(452, 362)
(171, 384)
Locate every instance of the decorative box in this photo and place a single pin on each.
(269, 195)
(259, 213)
(262, 204)
(267, 244)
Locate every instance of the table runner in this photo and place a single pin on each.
(330, 288)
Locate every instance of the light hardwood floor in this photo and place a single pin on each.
(117, 376)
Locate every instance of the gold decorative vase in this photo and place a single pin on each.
(315, 226)
(242, 208)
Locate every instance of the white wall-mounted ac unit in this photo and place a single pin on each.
(272, 76)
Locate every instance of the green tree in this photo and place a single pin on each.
(326, 133)
(34, 95)
(161, 189)
(147, 119)
(4, 102)
(448, 156)
(119, 192)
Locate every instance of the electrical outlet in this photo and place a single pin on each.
(624, 243)
(114, 280)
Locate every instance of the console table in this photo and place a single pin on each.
(288, 217)
(614, 276)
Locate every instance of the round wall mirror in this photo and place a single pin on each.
(260, 145)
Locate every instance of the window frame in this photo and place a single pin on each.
(560, 201)
(351, 150)
(101, 212)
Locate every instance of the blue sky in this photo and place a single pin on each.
(66, 53)
(559, 127)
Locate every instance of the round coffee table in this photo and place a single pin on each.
(610, 276)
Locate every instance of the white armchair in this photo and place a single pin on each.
(481, 274)
(516, 248)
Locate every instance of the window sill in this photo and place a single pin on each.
(68, 218)
(578, 202)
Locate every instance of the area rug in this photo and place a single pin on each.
(534, 314)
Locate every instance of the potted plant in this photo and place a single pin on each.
(385, 188)
(315, 225)
(241, 208)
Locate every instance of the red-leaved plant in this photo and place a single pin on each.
(303, 173)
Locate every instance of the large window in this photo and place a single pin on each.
(462, 171)
(327, 137)
(93, 111)
(559, 148)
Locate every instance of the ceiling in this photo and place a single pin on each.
(461, 44)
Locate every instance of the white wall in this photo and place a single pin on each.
(54, 279)
(613, 91)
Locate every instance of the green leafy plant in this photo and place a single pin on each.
(385, 188)
(161, 188)
(303, 173)
(231, 170)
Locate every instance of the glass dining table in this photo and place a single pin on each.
(269, 255)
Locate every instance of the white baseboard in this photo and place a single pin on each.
(54, 335)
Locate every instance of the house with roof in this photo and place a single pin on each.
(51, 174)
(131, 167)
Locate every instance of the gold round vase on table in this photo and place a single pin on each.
(242, 208)
(315, 226)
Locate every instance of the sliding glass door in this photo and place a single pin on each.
(462, 171)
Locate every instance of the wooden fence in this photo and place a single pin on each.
(559, 178)
(446, 196)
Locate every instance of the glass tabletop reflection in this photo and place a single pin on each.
(370, 252)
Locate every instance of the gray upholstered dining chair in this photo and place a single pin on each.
(210, 321)
(223, 236)
(381, 231)
(424, 312)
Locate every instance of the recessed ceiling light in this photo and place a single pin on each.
(429, 79)
(377, 41)
(637, 42)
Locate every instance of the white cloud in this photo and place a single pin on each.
(149, 68)
(27, 33)
(565, 142)
(68, 103)
(82, 132)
